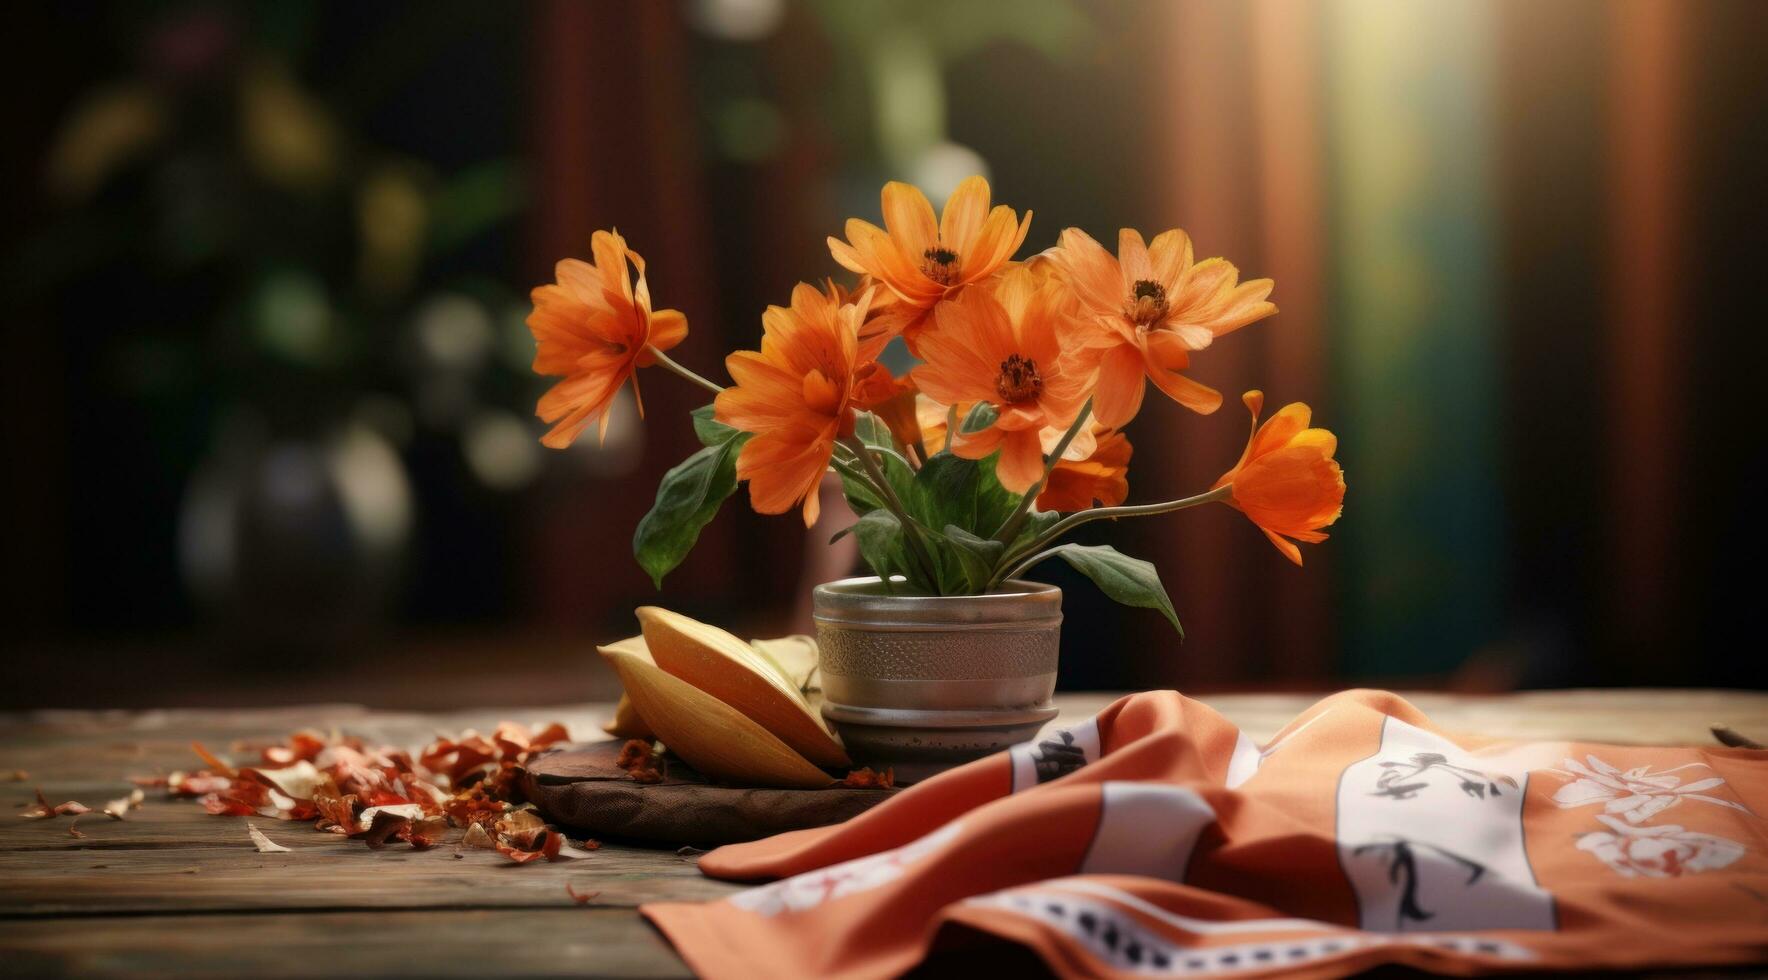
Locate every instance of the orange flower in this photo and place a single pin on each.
(1102, 477)
(596, 327)
(1156, 307)
(922, 261)
(1005, 347)
(1287, 481)
(796, 395)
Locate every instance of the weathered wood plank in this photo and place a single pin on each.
(174, 891)
(574, 942)
(326, 875)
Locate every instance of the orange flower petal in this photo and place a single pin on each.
(1118, 396)
(1021, 463)
(610, 254)
(909, 217)
(963, 214)
(1132, 260)
(1090, 271)
(784, 467)
(1194, 395)
(999, 238)
(668, 328)
(1169, 255)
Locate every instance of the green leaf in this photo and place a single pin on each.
(687, 499)
(945, 492)
(977, 557)
(872, 431)
(1130, 581)
(995, 503)
(863, 499)
(711, 431)
(881, 544)
(981, 416)
(1036, 523)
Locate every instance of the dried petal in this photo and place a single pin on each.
(581, 898)
(209, 759)
(43, 810)
(865, 778)
(116, 808)
(265, 845)
(426, 833)
(568, 850)
(383, 825)
(299, 781)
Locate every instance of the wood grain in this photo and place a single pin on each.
(440, 943)
(172, 891)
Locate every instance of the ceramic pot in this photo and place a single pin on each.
(920, 684)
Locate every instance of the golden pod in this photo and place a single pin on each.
(708, 734)
(730, 670)
(626, 722)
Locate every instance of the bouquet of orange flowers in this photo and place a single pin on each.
(966, 470)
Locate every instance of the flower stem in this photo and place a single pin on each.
(1022, 567)
(887, 493)
(668, 362)
(1016, 520)
(1078, 518)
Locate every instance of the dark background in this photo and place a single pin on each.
(268, 420)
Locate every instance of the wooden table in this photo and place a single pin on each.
(173, 891)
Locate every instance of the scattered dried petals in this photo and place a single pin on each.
(581, 898)
(426, 833)
(548, 736)
(215, 765)
(519, 823)
(197, 784)
(866, 778)
(43, 810)
(72, 831)
(377, 794)
(569, 850)
(639, 759)
(18, 776)
(383, 825)
(336, 813)
(298, 781)
(116, 808)
(265, 844)
(474, 806)
(301, 746)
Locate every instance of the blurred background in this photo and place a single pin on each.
(268, 415)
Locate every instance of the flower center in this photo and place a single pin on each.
(1019, 380)
(940, 265)
(1147, 302)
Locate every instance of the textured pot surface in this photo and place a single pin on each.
(923, 683)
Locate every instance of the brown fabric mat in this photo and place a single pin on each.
(580, 787)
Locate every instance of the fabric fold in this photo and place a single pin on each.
(1156, 839)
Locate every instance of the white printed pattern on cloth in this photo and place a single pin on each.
(1119, 941)
(1631, 797)
(813, 888)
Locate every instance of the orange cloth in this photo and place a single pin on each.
(1157, 839)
